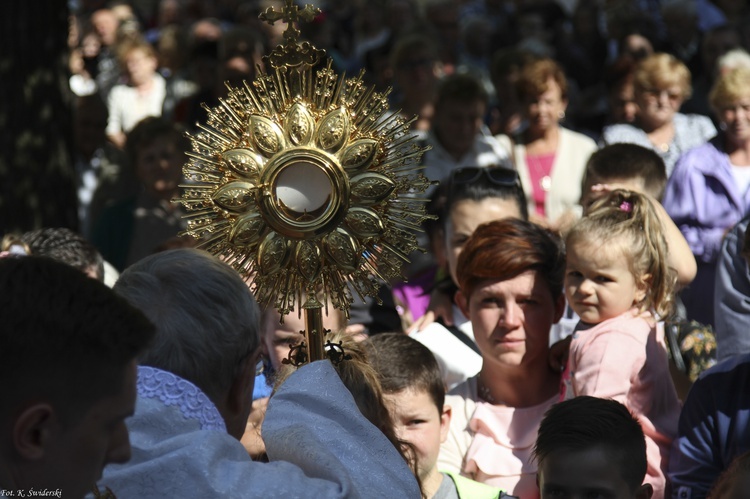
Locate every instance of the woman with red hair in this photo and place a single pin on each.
(510, 274)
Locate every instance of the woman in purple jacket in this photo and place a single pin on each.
(708, 190)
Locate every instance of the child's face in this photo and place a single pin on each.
(589, 473)
(418, 422)
(159, 167)
(598, 283)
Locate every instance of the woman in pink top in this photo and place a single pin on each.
(616, 277)
(510, 274)
(550, 159)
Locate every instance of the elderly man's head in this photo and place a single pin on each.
(207, 326)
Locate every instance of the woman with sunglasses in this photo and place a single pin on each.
(510, 274)
(550, 159)
(661, 83)
(472, 196)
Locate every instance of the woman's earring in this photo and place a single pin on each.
(723, 126)
(561, 115)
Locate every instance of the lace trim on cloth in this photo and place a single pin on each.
(172, 390)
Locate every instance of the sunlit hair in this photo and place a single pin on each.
(587, 422)
(627, 221)
(504, 249)
(660, 72)
(725, 485)
(730, 88)
(64, 245)
(403, 363)
(535, 76)
(129, 46)
(623, 161)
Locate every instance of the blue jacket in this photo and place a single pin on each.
(732, 296)
(704, 201)
(714, 428)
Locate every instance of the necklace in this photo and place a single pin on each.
(545, 181)
(484, 393)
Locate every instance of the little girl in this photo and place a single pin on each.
(617, 280)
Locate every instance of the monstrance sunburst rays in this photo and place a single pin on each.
(303, 181)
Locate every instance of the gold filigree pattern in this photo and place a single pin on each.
(328, 137)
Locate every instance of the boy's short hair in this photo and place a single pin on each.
(460, 87)
(585, 422)
(64, 245)
(624, 162)
(154, 129)
(403, 363)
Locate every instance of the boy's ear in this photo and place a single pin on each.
(32, 430)
(463, 302)
(645, 491)
(445, 422)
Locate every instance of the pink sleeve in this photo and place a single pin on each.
(607, 363)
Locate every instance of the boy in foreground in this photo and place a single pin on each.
(591, 447)
(414, 394)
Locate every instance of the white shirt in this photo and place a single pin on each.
(127, 106)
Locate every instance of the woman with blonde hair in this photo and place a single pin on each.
(709, 189)
(661, 84)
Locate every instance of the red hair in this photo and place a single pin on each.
(504, 249)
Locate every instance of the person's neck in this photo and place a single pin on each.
(452, 152)
(654, 127)
(145, 86)
(542, 141)
(431, 483)
(737, 150)
(519, 387)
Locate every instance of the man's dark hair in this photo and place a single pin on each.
(478, 190)
(150, 130)
(585, 422)
(403, 363)
(462, 88)
(65, 246)
(65, 337)
(627, 161)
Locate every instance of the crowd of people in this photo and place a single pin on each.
(575, 328)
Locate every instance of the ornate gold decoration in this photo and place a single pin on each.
(303, 181)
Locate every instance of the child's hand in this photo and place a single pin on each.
(441, 306)
(558, 355)
(252, 440)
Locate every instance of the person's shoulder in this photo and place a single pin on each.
(471, 489)
(695, 159)
(738, 365)
(622, 132)
(624, 325)
(698, 121)
(580, 139)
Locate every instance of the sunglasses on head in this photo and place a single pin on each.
(498, 175)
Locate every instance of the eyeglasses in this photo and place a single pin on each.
(497, 175)
(657, 93)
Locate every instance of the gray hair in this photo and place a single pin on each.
(207, 320)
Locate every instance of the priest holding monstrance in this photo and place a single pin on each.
(302, 184)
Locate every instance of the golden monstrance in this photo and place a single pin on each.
(305, 183)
